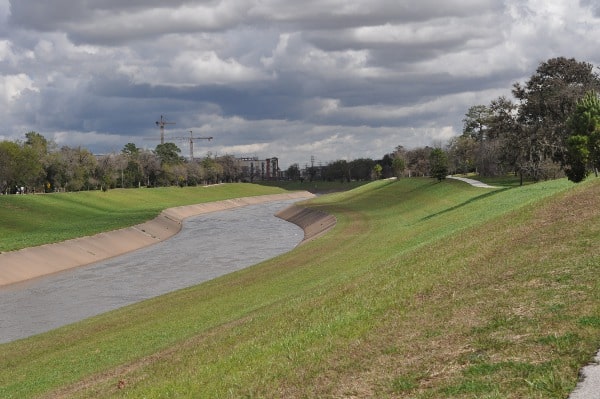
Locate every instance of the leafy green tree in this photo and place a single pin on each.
(361, 168)
(386, 165)
(475, 124)
(20, 166)
(502, 152)
(40, 148)
(37, 142)
(131, 150)
(479, 147)
(79, 167)
(577, 158)
(9, 155)
(546, 101)
(293, 172)
(168, 153)
(338, 170)
(583, 146)
(462, 154)
(30, 167)
(377, 170)
(56, 172)
(211, 169)
(438, 164)
(398, 166)
(502, 117)
(132, 175)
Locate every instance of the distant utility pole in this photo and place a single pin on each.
(161, 124)
(191, 140)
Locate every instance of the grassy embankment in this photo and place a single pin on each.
(422, 290)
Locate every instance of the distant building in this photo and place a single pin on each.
(259, 169)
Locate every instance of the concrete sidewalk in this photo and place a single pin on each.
(589, 383)
(472, 182)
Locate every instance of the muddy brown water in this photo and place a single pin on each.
(208, 246)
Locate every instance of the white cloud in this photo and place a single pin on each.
(80, 139)
(11, 87)
(192, 68)
(244, 150)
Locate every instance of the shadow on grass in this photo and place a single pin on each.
(468, 202)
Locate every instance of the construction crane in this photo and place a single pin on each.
(161, 124)
(191, 140)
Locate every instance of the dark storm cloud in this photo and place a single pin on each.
(329, 78)
(111, 22)
(593, 5)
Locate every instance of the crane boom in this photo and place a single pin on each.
(161, 124)
(191, 141)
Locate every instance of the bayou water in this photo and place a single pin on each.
(208, 246)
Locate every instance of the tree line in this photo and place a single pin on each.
(38, 165)
(549, 129)
(425, 161)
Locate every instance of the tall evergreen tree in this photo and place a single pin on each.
(583, 145)
(438, 164)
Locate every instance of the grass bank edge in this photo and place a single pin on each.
(244, 279)
(32, 220)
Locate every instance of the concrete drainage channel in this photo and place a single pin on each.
(208, 246)
(33, 262)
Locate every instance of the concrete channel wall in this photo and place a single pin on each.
(28, 263)
(312, 221)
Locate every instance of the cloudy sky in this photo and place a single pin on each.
(332, 79)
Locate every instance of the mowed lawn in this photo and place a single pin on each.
(422, 290)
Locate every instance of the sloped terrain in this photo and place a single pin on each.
(421, 290)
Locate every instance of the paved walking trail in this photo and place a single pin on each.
(589, 381)
(472, 182)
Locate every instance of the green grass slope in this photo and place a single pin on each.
(31, 220)
(422, 290)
